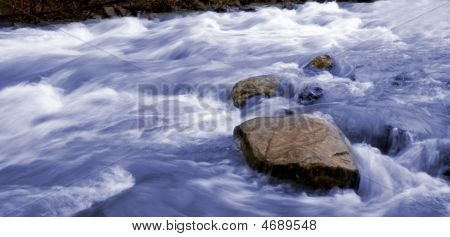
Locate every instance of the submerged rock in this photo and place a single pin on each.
(318, 65)
(401, 79)
(283, 113)
(260, 85)
(310, 94)
(325, 63)
(322, 62)
(397, 140)
(447, 173)
(444, 157)
(406, 78)
(308, 150)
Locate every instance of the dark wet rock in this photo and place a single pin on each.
(444, 157)
(288, 112)
(309, 95)
(397, 140)
(122, 11)
(308, 150)
(248, 9)
(265, 85)
(406, 78)
(400, 80)
(221, 9)
(283, 113)
(110, 11)
(447, 173)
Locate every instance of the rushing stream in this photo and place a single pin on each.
(132, 117)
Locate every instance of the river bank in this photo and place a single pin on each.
(13, 12)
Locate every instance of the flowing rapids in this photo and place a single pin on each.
(132, 117)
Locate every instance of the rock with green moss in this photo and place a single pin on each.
(266, 85)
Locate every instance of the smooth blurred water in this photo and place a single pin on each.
(72, 141)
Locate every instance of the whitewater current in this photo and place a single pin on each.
(132, 116)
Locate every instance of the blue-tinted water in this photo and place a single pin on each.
(131, 117)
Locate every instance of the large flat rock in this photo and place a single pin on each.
(308, 150)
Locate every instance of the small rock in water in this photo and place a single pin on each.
(401, 79)
(266, 85)
(309, 95)
(326, 63)
(288, 112)
(397, 140)
(406, 78)
(308, 150)
(322, 62)
(319, 64)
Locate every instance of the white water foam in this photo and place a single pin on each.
(25, 200)
(69, 102)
